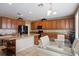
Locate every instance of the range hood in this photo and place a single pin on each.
(43, 19)
(19, 18)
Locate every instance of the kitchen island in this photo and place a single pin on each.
(25, 41)
(20, 42)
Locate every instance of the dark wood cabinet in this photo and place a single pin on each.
(60, 24)
(32, 26)
(9, 23)
(53, 24)
(4, 22)
(49, 25)
(71, 24)
(53, 35)
(67, 24)
(10, 45)
(57, 24)
(36, 40)
(13, 25)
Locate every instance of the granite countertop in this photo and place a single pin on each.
(11, 37)
(53, 31)
(8, 37)
(26, 36)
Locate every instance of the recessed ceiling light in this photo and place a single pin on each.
(30, 12)
(49, 12)
(10, 3)
(54, 13)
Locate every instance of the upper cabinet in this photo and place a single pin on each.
(60, 24)
(64, 23)
(70, 23)
(53, 24)
(67, 24)
(3, 23)
(9, 23)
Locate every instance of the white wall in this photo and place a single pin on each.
(28, 23)
(77, 24)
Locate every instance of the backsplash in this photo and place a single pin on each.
(58, 31)
(7, 31)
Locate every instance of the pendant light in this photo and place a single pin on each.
(49, 10)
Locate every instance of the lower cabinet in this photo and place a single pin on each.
(36, 40)
(10, 49)
(52, 37)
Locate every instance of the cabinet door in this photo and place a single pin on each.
(0, 22)
(4, 22)
(67, 24)
(62, 24)
(73, 28)
(58, 24)
(71, 24)
(17, 23)
(13, 23)
(50, 24)
(9, 23)
(54, 24)
(21, 22)
(39, 23)
(33, 25)
(55, 35)
(47, 25)
(44, 24)
(36, 40)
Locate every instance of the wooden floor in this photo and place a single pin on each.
(35, 51)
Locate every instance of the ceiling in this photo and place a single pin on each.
(33, 11)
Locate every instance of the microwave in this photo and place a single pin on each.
(39, 27)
